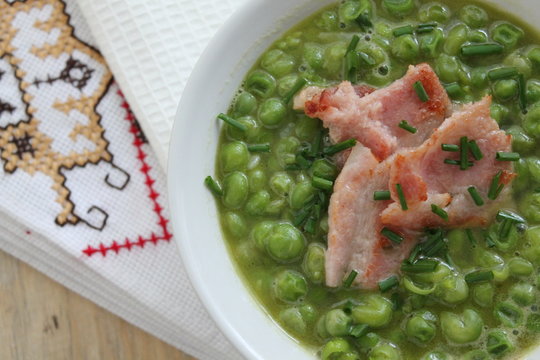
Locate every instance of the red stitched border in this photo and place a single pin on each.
(152, 194)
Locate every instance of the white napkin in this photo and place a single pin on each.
(83, 195)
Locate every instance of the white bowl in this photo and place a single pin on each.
(210, 89)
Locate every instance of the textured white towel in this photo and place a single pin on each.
(83, 194)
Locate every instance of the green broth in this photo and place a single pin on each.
(263, 196)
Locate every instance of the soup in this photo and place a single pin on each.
(276, 168)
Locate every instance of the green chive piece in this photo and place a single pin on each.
(405, 126)
(292, 167)
(381, 195)
(502, 215)
(505, 228)
(322, 184)
(470, 236)
(421, 266)
(317, 144)
(229, 120)
(363, 21)
(344, 145)
(456, 162)
(213, 186)
(259, 148)
(493, 188)
(414, 253)
(450, 147)
(388, 283)
(475, 195)
(359, 330)
(425, 28)
(401, 197)
(403, 30)
(507, 156)
(310, 225)
(303, 214)
(366, 58)
(479, 276)
(350, 279)
(352, 44)
(439, 211)
(464, 154)
(299, 84)
(482, 49)
(454, 90)
(302, 162)
(489, 240)
(475, 150)
(522, 93)
(351, 66)
(392, 236)
(502, 73)
(421, 91)
(397, 301)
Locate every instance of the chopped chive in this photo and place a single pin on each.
(454, 90)
(310, 225)
(350, 279)
(522, 93)
(397, 301)
(359, 330)
(475, 195)
(229, 120)
(482, 49)
(421, 91)
(388, 283)
(403, 30)
(493, 188)
(392, 236)
(499, 189)
(366, 58)
(464, 153)
(303, 214)
(502, 215)
(302, 162)
(334, 149)
(299, 84)
(317, 144)
(401, 196)
(259, 148)
(475, 150)
(505, 228)
(425, 28)
(363, 21)
(479, 276)
(507, 156)
(470, 236)
(434, 248)
(352, 45)
(292, 167)
(450, 147)
(381, 195)
(489, 240)
(405, 126)
(439, 211)
(502, 73)
(414, 253)
(322, 184)
(351, 66)
(421, 266)
(213, 186)
(456, 162)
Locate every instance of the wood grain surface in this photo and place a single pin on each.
(41, 319)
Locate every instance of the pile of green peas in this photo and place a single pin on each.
(435, 315)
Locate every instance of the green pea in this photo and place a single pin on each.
(477, 36)
(500, 273)
(250, 134)
(277, 63)
(368, 342)
(505, 90)
(473, 16)
(261, 232)
(452, 289)
(479, 77)
(398, 8)
(521, 142)
(441, 272)
(245, 104)
(499, 112)
(374, 310)
(434, 12)
(281, 183)
(531, 122)
(476, 355)
(328, 21)
(533, 91)
(286, 243)
(487, 259)
(420, 328)
(405, 48)
(534, 56)
(436, 355)
(257, 180)
(314, 55)
(523, 294)
(375, 51)
(306, 128)
(461, 329)
(324, 169)
(520, 267)
(272, 113)
(275, 207)
(503, 244)
(522, 181)
(508, 314)
(533, 323)
(498, 343)
(531, 250)
(384, 351)
(293, 320)
(236, 224)
(529, 206)
(236, 189)
(520, 62)
(337, 322)
(334, 347)
(483, 294)
(290, 286)
(302, 193)
(247, 254)
(285, 150)
(313, 264)
(234, 156)
(286, 83)
(320, 328)
(257, 203)
(448, 68)
(457, 36)
(506, 34)
(323, 224)
(261, 84)
(430, 43)
(333, 56)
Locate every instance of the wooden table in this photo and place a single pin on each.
(41, 319)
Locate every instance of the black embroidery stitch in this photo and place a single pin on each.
(140, 134)
(75, 73)
(23, 144)
(103, 224)
(6, 107)
(118, 187)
